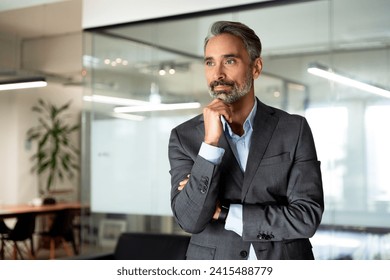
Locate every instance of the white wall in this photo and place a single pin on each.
(8, 149)
(17, 183)
(57, 55)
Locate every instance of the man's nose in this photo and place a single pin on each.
(219, 74)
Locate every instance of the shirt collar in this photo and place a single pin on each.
(248, 124)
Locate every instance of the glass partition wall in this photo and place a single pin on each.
(144, 78)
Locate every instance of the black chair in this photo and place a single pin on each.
(22, 231)
(4, 229)
(60, 231)
(151, 246)
(145, 246)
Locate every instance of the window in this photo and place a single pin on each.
(378, 155)
(325, 122)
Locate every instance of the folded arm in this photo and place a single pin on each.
(195, 205)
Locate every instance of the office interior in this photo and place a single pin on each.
(131, 83)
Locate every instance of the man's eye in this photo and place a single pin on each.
(209, 63)
(230, 61)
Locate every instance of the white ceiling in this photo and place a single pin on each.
(39, 18)
(6, 5)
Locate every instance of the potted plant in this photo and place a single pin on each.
(56, 157)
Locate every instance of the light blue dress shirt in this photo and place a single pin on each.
(240, 146)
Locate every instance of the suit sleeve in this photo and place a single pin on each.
(302, 214)
(194, 206)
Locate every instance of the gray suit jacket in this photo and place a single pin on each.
(281, 189)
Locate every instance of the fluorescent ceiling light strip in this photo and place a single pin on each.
(22, 85)
(157, 107)
(113, 100)
(128, 117)
(330, 75)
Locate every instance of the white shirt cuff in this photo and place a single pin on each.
(211, 153)
(234, 219)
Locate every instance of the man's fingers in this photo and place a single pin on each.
(222, 109)
(183, 183)
(217, 211)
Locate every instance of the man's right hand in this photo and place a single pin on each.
(183, 183)
(212, 120)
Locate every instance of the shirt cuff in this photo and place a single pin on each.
(234, 219)
(211, 153)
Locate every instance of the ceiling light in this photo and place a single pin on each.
(157, 107)
(171, 69)
(128, 117)
(113, 100)
(88, 60)
(133, 105)
(327, 73)
(23, 83)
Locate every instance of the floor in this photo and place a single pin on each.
(44, 253)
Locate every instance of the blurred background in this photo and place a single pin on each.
(131, 81)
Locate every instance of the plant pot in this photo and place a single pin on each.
(49, 201)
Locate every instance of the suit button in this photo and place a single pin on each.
(204, 180)
(243, 254)
(265, 236)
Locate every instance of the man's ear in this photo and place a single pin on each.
(257, 67)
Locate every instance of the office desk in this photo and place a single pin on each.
(13, 211)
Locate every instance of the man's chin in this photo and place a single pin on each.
(227, 100)
(223, 96)
(220, 95)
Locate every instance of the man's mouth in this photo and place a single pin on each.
(221, 88)
(221, 85)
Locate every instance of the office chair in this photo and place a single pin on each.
(22, 231)
(144, 246)
(151, 246)
(4, 230)
(3, 227)
(60, 231)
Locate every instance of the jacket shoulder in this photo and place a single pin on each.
(281, 114)
(190, 124)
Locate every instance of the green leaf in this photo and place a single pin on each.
(55, 153)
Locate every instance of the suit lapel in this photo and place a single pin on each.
(263, 128)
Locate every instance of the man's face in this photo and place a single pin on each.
(228, 68)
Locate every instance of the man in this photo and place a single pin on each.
(246, 181)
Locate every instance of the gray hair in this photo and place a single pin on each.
(247, 35)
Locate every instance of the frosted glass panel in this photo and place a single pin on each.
(130, 168)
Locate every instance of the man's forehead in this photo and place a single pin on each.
(224, 45)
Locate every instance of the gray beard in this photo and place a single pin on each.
(235, 94)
